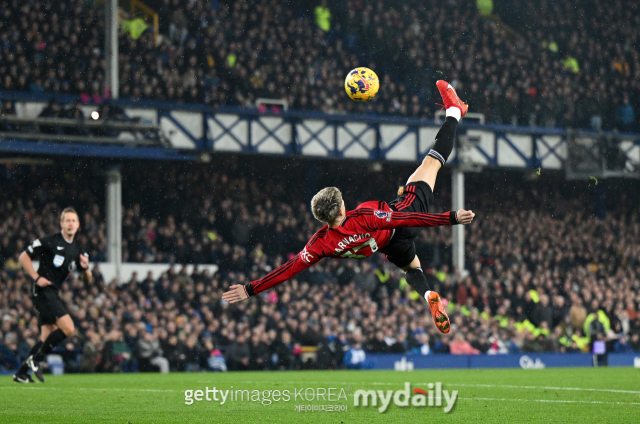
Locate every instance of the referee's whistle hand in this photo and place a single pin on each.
(465, 217)
(43, 282)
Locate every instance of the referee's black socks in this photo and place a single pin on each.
(52, 341)
(34, 349)
(417, 280)
(444, 140)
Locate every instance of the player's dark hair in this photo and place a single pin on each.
(326, 204)
(68, 209)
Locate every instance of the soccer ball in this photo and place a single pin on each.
(362, 84)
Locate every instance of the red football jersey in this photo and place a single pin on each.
(363, 232)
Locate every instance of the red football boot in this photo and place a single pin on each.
(440, 317)
(450, 97)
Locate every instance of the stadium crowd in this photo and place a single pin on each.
(546, 69)
(544, 273)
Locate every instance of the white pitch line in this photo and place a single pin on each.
(501, 386)
(583, 389)
(87, 388)
(553, 401)
(351, 395)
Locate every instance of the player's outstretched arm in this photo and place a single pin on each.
(389, 220)
(301, 261)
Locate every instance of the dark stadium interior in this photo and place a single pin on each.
(170, 226)
(554, 264)
(536, 67)
(535, 235)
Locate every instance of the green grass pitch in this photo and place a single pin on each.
(588, 395)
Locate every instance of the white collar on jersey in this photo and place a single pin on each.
(65, 239)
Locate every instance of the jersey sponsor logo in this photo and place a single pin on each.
(306, 256)
(58, 260)
(383, 215)
(60, 248)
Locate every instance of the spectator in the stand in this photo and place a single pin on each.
(400, 345)
(282, 355)
(377, 344)
(238, 354)
(173, 351)
(354, 357)
(625, 115)
(635, 342)
(422, 344)
(116, 355)
(259, 351)
(459, 346)
(91, 352)
(149, 354)
(330, 353)
(531, 343)
(543, 312)
(192, 353)
(622, 345)
(9, 359)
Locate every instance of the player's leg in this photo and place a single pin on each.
(22, 375)
(418, 281)
(65, 323)
(45, 330)
(439, 153)
(59, 326)
(64, 327)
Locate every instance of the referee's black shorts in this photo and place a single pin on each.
(414, 197)
(49, 306)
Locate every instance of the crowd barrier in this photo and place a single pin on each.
(400, 362)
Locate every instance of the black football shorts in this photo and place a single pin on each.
(414, 197)
(49, 305)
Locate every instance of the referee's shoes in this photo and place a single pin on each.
(22, 378)
(36, 368)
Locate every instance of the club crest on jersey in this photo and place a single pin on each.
(383, 215)
(58, 260)
(306, 256)
(400, 191)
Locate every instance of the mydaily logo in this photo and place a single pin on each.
(419, 398)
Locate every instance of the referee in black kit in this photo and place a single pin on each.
(59, 254)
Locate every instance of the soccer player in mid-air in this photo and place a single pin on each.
(377, 226)
(59, 254)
